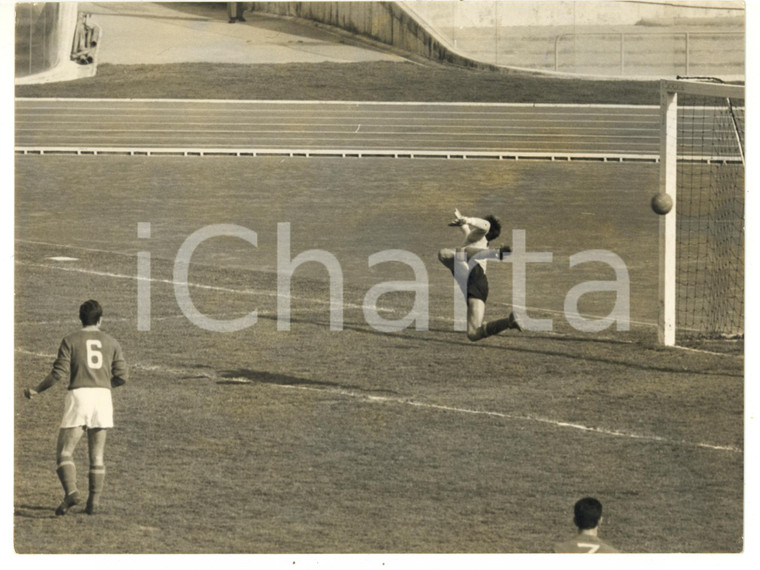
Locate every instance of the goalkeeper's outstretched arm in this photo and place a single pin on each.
(474, 229)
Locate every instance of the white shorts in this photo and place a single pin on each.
(88, 407)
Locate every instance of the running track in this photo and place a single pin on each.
(454, 130)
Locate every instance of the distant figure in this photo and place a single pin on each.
(91, 362)
(86, 38)
(588, 517)
(235, 11)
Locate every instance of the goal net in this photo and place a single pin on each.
(702, 237)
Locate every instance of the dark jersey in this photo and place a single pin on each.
(89, 358)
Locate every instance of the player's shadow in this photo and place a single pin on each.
(522, 349)
(446, 337)
(263, 377)
(34, 512)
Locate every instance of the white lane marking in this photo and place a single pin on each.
(291, 136)
(348, 103)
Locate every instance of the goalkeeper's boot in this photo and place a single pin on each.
(504, 251)
(67, 503)
(514, 323)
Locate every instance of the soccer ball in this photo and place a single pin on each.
(662, 203)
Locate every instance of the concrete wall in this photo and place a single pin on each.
(44, 39)
(477, 14)
(464, 33)
(386, 22)
(39, 27)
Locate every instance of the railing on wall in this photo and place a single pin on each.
(629, 45)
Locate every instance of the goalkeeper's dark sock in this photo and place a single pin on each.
(97, 481)
(495, 327)
(67, 473)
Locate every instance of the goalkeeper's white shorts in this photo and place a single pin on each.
(88, 407)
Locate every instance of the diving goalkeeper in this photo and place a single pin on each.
(477, 233)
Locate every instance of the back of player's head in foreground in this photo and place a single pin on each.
(495, 228)
(90, 313)
(588, 513)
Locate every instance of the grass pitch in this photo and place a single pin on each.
(367, 81)
(320, 441)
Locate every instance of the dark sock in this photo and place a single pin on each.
(67, 473)
(495, 327)
(97, 480)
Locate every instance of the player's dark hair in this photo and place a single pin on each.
(495, 229)
(588, 511)
(90, 313)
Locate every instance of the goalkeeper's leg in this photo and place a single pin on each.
(500, 325)
(476, 309)
(477, 329)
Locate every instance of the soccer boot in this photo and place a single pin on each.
(91, 507)
(513, 323)
(67, 503)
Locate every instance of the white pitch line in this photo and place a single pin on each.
(136, 366)
(703, 351)
(271, 294)
(252, 292)
(311, 300)
(75, 322)
(79, 247)
(429, 406)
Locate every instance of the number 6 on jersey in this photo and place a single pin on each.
(94, 356)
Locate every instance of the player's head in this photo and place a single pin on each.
(90, 313)
(495, 229)
(588, 513)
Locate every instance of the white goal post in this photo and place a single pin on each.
(701, 239)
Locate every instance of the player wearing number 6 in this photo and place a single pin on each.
(92, 363)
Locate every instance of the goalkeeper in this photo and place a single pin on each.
(477, 233)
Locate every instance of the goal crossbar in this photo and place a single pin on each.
(706, 89)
